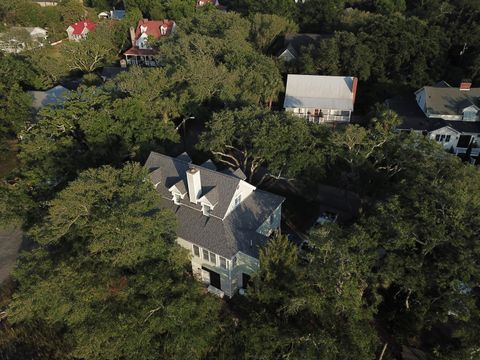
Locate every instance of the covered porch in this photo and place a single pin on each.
(141, 57)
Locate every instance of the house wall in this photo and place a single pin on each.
(287, 56)
(245, 265)
(272, 223)
(142, 41)
(243, 188)
(454, 136)
(198, 262)
(231, 279)
(421, 101)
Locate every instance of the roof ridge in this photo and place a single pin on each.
(198, 166)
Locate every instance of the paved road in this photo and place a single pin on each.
(10, 243)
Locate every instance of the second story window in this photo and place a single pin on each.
(223, 263)
(234, 262)
(213, 258)
(196, 250)
(205, 255)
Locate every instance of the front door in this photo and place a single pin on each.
(214, 278)
(245, 280)
(464, 141)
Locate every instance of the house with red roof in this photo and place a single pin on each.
(80, 29)
(143, 38)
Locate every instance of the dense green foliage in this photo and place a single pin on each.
(106, 264)
(103, 277)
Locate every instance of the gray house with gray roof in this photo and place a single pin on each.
(446, 114)
(222, 220)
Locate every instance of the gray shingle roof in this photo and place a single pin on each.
(443, 100)
(413, 118)
(237, 231)
(209, 165)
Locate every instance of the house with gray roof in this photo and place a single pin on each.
(289, 47)
(222, 220)
(321, 99)
(446, 114)
(48, 98)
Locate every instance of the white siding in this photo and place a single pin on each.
(420, 96)
(245, 265)
(243, 188)
(198, 262)
(446, 131)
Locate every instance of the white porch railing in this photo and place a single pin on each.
(474, 152)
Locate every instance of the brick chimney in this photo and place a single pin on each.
(194, 184)
(354, 88)
(465, 85)
(132, 36)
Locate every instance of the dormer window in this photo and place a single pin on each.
(206, 209)
(176, 199)
(163, 30)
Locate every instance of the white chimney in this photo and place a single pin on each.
(194, 185)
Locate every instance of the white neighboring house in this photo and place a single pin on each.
(49, 97)
(321, 99)
(222, 220)
(446, 114)
(18, 39)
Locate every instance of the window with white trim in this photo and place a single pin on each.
(238, 200)
(196, 250)
(205, 255)
(207, 210)
(213, 258)
(176, 199)
(234, 262)
(223, 262)
(447, 138)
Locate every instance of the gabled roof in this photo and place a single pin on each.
(170, 171)
(223, 235)
(294, 42)
(237, 173)
(413, 118)
(321, 92)
(444, 100)
(140, 52)
(80, 27)
(153, 28)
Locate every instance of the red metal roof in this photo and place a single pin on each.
(140, 52)
(80, 26)
(153, 27)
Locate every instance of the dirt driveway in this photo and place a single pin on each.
(10, 243)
